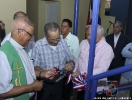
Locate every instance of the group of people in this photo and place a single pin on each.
(30, 70)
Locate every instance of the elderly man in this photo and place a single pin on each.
(51, 53)
(31, 43)
(17, 75)
(16, 15)
(103, 57)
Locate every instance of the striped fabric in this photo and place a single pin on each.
(79, 82)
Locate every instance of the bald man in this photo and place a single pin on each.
(31, 43)
(17, 74)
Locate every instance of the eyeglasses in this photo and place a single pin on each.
(31, 35)
(54, 40)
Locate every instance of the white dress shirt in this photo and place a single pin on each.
(6, 72)
(116, 39)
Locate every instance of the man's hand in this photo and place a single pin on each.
(75, 74)
(69, 66)
(54, 69)
(49, 74)
(37, 85)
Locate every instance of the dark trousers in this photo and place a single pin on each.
(130, 94)
(51, 91)
(81, 94)
(68, 89)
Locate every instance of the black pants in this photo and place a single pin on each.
(51, 91)
(68, 89)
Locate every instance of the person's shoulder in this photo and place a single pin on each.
(2, 54)
(126, 39)
(74, 36)
(62, 41)
(84, 42)
(39, 42)
(129, 44)
(107, 46)
(8, 35)
(125, 36)
(110, 35)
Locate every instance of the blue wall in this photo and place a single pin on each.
(129, 21)
(119, 9)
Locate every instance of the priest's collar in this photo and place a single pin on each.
(15, 44)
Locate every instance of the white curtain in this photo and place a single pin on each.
(107, 4)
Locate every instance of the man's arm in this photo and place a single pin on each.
(18, 90)
(37, 68)
(42, 74)
(127, 51)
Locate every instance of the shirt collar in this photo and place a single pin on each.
(45, 42)
(103, 39)
(68, 36)
(15, 44)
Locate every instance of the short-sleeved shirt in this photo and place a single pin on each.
(46, 57)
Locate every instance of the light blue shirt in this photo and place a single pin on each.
(127, 53)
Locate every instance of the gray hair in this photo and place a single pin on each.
(52, 26)
(120, 23)
(100, 29)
